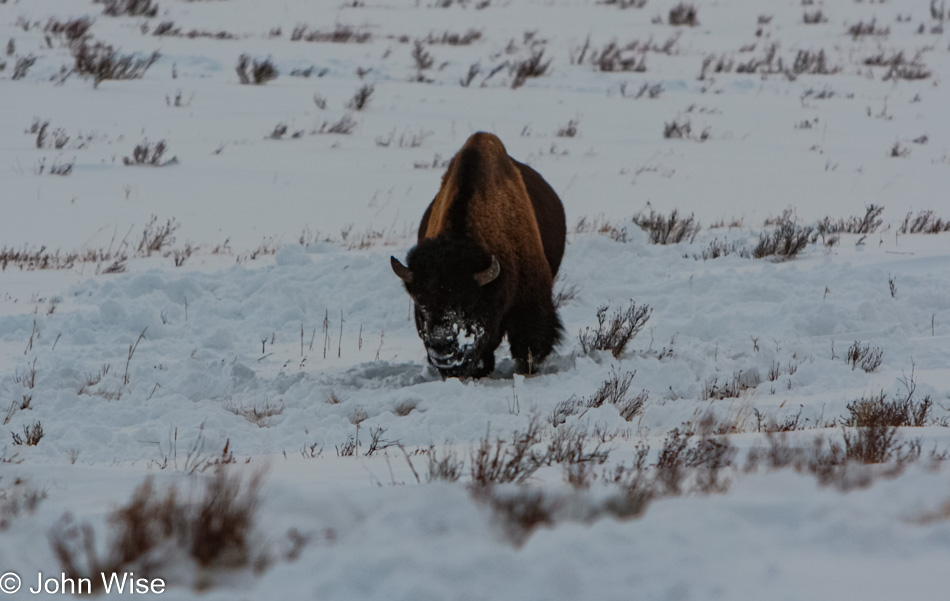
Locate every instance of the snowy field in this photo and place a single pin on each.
(208, 372)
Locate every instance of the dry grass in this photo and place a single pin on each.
(101, 62)
(683, 15)
(668, 230)
(259, 415)
(31, 435)
(255, 71)
(211, 528)
(615, 333)
(17, 499)
(925, 222)
(784, 242)
(340, 34)
(865, 356)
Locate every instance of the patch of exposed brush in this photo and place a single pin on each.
(805, 62)
(531, 67)
(451, 38)
(694, 459)
(668, 230)
(875, 409)
(128, 8)
(867, 224)
(865, 356)
(614, 57)
(101, 62)
(615, 390)
(345, 125)
(340, 34)
(898, 67)
(683, 15)
(72, 31)
(255, 71)
(723, 248)
(925, 222)
(156, 237)
(615, 332)
(210, 526)
(682, 129)
(147, 154)
(17, 499)
(259, 415)
(731, 388)
(169, 29)
(624, 4)
(785, 241)
(865, 29)
(32, 434)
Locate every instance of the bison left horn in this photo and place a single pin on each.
(401, 270)
(489, 275)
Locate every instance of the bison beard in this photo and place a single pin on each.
(489, 246)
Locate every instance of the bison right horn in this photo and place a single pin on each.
(489, 275)
(401, 270)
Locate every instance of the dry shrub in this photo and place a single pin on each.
(680, 460)
(564, 293)
(617, 332)
(533, 66)
(102, 62)
(454, 39)
(498, 461)
(361, 98)
(520, 510)
(146, 154)
(668, 230)
(723, 248)
(340, 34)
(862, 29)
(683, 14)
(72, 31)
(258, 415)
(23, 64)
(731, 388)
(212, 529)
(864, 355)
(18, 498)
(623, 4)
(867, 224)
(31, 435)
(569, 130)
(254, 71)
(925, 222)
(448, 468)
(128, 8)
(874, 410)
(784, 242)
(345, 125)
(614, 58)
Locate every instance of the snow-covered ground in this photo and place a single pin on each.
(269, 321)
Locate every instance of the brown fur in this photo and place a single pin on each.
(507, 210)
(506, 215)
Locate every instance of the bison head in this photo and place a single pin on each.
(454, 288)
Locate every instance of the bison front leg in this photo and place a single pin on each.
(533, 331)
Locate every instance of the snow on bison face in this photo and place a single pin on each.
(455, 309)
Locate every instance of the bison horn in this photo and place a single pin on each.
(401, 270)
(489, 275)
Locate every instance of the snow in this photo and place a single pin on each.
(288, 301)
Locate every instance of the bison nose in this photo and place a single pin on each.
(443, 346)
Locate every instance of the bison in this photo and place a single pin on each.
(488, 249)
